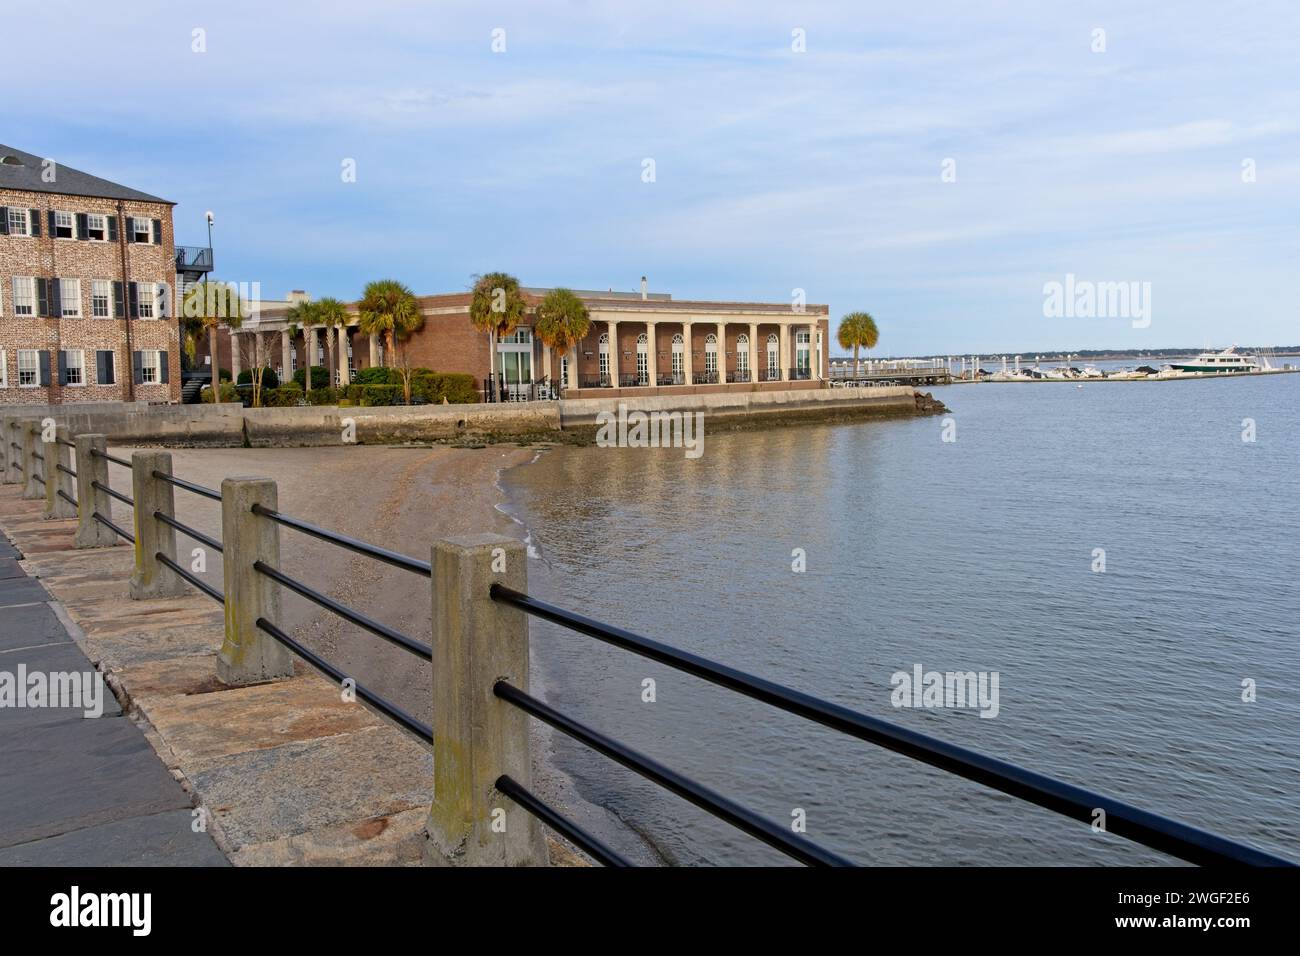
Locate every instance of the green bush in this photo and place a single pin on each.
(322, 396)
(228, 393)
(376, 375)
(286, 396)
(320, 377)
(269, 378)
(370, 395)
(457, 387)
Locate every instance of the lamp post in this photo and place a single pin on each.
(214, 358)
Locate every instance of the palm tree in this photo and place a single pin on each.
(562, 322)
(388, 308)
(211, 305)
(858, 330)
(301, 317)
(496, 305)
(331, 313)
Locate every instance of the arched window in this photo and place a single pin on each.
(603, 346)
(679, 359)
(742, 357)
(711, 355)
(773, 356)
(643, 359)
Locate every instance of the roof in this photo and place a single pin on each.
(20, 170)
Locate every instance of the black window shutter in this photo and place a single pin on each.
(53, 224)
(129, 228)
(137, 367)
(112, 229)
(42, 297)
(44, 358)
(162, 367)
(36, 223)
(157, 232)
(63, 367)
(134, 293)
(104, 367)
(4, 220)
(119, 301)
(82, 228)
(56, 298)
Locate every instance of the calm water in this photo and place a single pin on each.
(970, 555)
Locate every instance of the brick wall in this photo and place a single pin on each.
(48, 257)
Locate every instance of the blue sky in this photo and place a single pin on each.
(774, 169)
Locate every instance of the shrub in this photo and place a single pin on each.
(269, 378)
(286, 396)
(228, 393)
(376, 375)
(320, 377)
(370, 395)
(322, 396)
(457, 387)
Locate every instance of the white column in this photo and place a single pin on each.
(286, 348)
(652, 356)
(785, 351)
(344, 377)
(722, 353)
(374, 350)
(259, 349)
(235, 362)
(688, 367)
(613, 352)
(574, 352)
(814, 358)
(753, 352)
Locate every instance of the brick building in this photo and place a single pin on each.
(87, 269)
(639, 343)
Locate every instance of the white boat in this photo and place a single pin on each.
(1218, 363)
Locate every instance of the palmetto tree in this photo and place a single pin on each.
(562, 321)
(301, 318)
(211, 305)
(388, 308)
(330, 313)
(858, 331)
(496, 306)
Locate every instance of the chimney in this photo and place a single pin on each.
(644, 294)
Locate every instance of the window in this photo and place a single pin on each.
(97, 227)
(802, 353)
(100, 291)
(679, 356)
(711, 354)
(642, 359)
(70, 297)
(24, 295)
(28, 368)
(74, 367)
(742, 357)
(145, 294)
(64, 226)
(105, 374)
(18, 222)
(604, 357)
(149, 366)
(141, 230)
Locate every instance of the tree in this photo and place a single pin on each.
(388, 308)
(253, 358)
(496, 305)
(209, 305)
(331, 313)
(858, 330)
(562, 321)
(302, 317)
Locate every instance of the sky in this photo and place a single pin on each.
(937, 165)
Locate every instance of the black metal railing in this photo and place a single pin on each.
(352, 544)
(1159, 833)
(193, 259)
(800, 374)
(566, 828)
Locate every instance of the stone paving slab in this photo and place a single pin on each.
(63, 658)
(396, 840)
(63, 775)
(9, 568)
(22, 591)
(159, 839)
(266, 795)
(30, 626)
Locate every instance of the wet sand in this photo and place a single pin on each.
(402, 498)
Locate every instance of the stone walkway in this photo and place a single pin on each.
(286, 773)
(78, 791)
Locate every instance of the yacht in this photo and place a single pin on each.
(1218, 363)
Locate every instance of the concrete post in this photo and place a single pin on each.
(722, 353)
(614, 355)
(652, 355)
(248, 654)
(151, 578)
(476, 735)
(753, 352)
(59, 454)
(12, 457)
(92, 468)
(785, 352)
(33, 490)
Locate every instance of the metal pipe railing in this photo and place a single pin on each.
(743, 819)
(187, 485)
(345, 612)
(107, 457)
(113, 494)
(1150, 829)
(66, 470)
(566, 828)
(66, 497)
(352, 544)
(187, 530)
(421, 730)
(193, 579)
(112, 527)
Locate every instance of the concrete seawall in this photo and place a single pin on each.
(231, 424)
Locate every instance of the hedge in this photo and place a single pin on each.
(320, 377)
(269, 378)
(286, 396)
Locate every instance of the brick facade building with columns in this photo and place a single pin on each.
(87, 269)
(639, 343)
